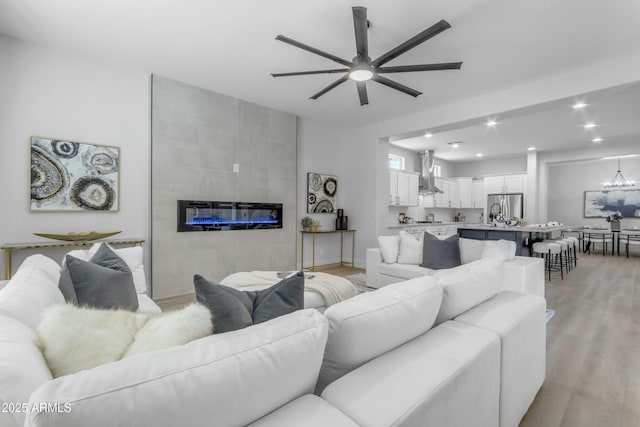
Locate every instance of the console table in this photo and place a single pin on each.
(9, 248)
(313, 247)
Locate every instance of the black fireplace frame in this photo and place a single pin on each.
(230, 215)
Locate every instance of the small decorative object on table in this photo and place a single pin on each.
(500, 221)
(315, 227)
(78, 237)
(342, 221)
(615, 221)
(306, 223)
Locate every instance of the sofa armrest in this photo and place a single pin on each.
(523, 274)
(374, 259)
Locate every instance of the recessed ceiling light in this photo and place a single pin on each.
(579, 105)
(590, 125)
(428, 135)
(531, 148)
(491, 123)
(597, 139)
(479, 155)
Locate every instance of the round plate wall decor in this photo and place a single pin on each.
(78, 237)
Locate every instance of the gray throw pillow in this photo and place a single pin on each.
(438, 254)
(233, 309)
(105, 281)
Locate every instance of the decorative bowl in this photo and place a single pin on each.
(78, 237)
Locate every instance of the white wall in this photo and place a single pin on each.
(48, 93)
(565, 193)
(499, 166)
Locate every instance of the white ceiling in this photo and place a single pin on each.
(230, 47)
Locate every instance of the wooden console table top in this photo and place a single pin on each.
(9, 248)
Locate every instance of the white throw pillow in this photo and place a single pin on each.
(410, 248)
(500, 249)
(132, 256)
(389, 248)
(372, 323)
(31, 290)
(470, 249)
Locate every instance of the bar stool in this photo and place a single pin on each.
(574, 245)
(546, 250)
(565, 247)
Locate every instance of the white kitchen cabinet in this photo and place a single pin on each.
(505, 184)
(442, 199)
(403, 188)
(478, 196)
(465, 199)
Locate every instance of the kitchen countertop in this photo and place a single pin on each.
(432, 224)
(544, 229)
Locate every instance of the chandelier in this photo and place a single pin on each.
(619, 180)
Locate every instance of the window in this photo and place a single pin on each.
(436, 170)
(396, 162)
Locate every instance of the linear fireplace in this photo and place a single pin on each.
(195, 215)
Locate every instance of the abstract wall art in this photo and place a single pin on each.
(74, 176)
(321, 193)
(601, 204)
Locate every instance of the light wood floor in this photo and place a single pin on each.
(593, 347)
(174, 303)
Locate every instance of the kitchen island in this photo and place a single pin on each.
(516, 234)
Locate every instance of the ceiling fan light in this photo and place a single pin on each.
(361, 74)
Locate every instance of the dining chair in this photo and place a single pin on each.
(630, 240)
(604, 239)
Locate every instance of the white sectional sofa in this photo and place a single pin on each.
(521, 274)
(445, 350)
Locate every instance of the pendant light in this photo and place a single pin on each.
(619, 180)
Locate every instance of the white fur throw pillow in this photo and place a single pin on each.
(75, 338)
(410, 248)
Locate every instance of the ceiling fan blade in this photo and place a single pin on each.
(424, 67)
(414, 41)
(331, 86)
(360, 26)
(395, 85)
(304, 73)
(308, 48)
(362, 93)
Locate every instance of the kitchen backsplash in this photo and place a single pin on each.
(439, 214)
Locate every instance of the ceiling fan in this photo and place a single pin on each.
(362, 68)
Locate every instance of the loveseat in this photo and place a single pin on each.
(386, 264)
(445, 350)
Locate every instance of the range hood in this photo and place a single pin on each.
(427, 183)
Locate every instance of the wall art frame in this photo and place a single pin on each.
(70, 176)
(321, 193)
(604, 203)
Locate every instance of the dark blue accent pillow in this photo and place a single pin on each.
(233, 309)
(438, 254)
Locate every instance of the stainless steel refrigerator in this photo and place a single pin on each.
(509, 205)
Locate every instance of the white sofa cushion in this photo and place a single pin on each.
(372, 323)
(449, 376)
(389, 248)
(33, 288)
(470, 249)
(467, 286)
(410, 248)
(306, 411)
(404, 271)
(500, 249)
(22, 370)
(228, 379)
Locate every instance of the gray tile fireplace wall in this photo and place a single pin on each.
(196, 138)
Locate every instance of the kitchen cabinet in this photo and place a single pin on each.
(442, 199)
(505, 184)
(403, 188)
(478, 196)
(464, 193)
